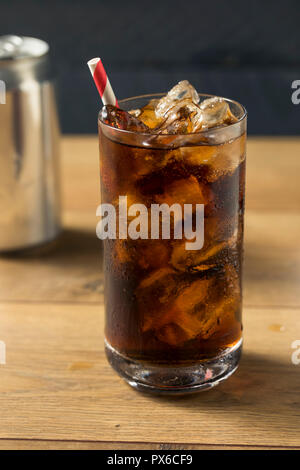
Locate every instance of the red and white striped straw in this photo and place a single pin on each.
(102, 82)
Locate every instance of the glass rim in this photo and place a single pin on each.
(201, 132)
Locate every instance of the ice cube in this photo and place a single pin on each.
(180, 91)
(120, 119)
(170, 308)
(145, 254)
(219, 160)
(220, 315)
(154, 277)
(185, 318)
(181, 125)
(147, 161)
(180, 311)
(183, 191)
(201, 260)
(147, 114)
(196, 117)
(153, 254)
(226, 159)
(199, 154)
(216, 112)
(154, 295)
(135, 112)
(223, 308)
(172, 334)
(207, 306)
(183, 118)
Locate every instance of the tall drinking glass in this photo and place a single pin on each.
(173, 305)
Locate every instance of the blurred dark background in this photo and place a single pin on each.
(248, 51)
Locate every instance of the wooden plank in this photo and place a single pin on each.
(67, 270)
(273, 168)
(57, 385)
(80, 173)
(272, 259)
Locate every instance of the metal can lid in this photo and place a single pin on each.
(21, 47)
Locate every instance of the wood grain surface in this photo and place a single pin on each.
(57, 390)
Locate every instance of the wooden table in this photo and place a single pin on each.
(57, 390)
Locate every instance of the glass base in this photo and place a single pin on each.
(172, 380)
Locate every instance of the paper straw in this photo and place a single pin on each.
(102, 82)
